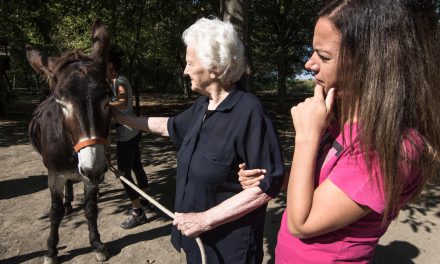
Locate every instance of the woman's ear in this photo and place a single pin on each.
(212, 74)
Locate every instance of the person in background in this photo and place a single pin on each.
(127, 147)
(368, 140)
(225, 126)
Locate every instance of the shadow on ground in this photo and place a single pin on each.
(428, 203)
(114, 247)
(23, 258)
(397, 252)
(14, 130)
(158, 151)
(23, 186)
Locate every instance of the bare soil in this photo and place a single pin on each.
(25, 201)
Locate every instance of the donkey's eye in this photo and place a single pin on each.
(63, 104)
(59, 102)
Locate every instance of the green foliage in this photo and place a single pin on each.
(281, 36)
(148, 32)
(301, 87)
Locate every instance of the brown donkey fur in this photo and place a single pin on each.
(75, 112)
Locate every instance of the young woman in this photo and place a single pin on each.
(127, 147)
(368, 139)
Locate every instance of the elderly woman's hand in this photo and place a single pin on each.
(250, 178)
(191, 224)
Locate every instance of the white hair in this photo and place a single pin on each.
(219, 48)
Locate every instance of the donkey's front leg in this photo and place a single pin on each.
(91, 212)
(68, 197)
(56, 214)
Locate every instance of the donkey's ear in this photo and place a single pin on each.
(100, 44)
(40, 62)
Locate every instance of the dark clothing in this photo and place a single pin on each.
(209, 150)
(129, 158)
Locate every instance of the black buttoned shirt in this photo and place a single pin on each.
(210, 147)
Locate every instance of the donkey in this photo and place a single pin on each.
(70, 129)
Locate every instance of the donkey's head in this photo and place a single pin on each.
(78, 84)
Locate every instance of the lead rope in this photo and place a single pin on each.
(166, 211)
(150, 199)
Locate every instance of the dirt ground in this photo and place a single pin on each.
(25, 200)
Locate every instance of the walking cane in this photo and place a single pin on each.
(165, 210)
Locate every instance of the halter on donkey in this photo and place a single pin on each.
(74, 118)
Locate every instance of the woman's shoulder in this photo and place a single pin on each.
(250, 101)
(248, 95)
(197, 105)
(122, 78)
(200, 100)
(413, 145)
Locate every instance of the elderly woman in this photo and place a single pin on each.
(225, 126)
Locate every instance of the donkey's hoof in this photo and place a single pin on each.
(50, 260)
(101, 256)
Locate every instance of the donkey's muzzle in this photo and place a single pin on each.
(92, 162)
(92, 176)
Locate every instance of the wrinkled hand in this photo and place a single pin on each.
(191, 224)
(250, 178)
(311, 117)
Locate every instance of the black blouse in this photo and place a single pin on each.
(210, 147)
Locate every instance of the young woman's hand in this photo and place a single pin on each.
(311, 117)
(250, 178)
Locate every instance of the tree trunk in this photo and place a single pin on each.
(4, 108)
(136, 98)
(282, 70)
(134, 54)
(183, 82)
(7, 95)
(237, 12)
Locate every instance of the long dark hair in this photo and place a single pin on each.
(389, 78)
